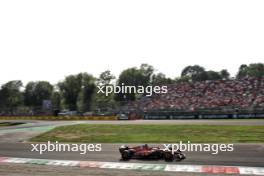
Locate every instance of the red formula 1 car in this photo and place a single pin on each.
(146, 152)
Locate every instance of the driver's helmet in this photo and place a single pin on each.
(145, 146)
(123, 148)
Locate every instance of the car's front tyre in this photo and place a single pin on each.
(126, 155)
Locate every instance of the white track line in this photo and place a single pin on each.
(140, 166)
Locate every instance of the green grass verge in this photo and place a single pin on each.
(101, 133)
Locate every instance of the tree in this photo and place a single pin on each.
(243, 71)
(251, 70)
(56, 100)
(36, 92)
(70, 89)
(102, 101)
(160, 79)
(105, 78)
(182, 79)
(213, 75)
(129, 77)
(225, 74)
(134, 77)
(10, 94)
(142, 76)
(146, 73)
(77, 88)
(195, 73)
(198, 73)
(87, 90)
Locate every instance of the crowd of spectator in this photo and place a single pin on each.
(230, 94)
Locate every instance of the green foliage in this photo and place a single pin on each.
(195, 73)
(160, 79)
(198, 73)
(130, 76)
(213, 75)
(105, 78)
(134, 77)
(10, 94)
(86, 93)
(56, 100)
(108, 133)
(77, 89)
(70, 89)
(225, 74)
(101, 101)
(36, 92)
(251, 70)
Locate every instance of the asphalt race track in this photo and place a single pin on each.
(243, 155)
(13, 144)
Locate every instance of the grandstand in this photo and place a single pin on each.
(217, 97)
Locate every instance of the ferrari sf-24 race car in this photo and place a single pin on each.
(146, 152)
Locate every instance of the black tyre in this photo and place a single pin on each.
(126, 155)
(168, 156)
(179, 156)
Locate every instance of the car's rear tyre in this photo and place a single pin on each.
(168, 156)
(126, 155)
(156, 155)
